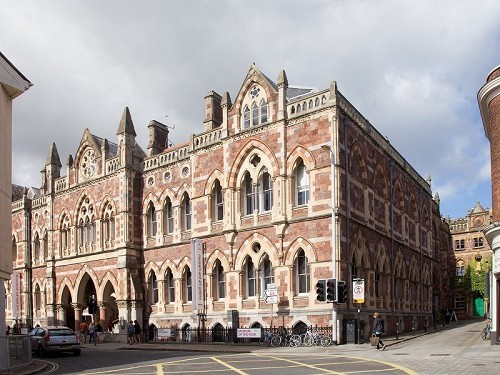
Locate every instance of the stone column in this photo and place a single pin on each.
(78, 316)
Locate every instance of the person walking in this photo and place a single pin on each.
(84, 329)
(137, 332)
(99, 332)
(378, 329)
(91, 333)
(130, 333)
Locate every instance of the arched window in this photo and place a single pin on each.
(151, 220)
(460, 268)
(169, 284)
(266, 275)
(108, 227)
(36, 248)
(217, 202)
(265, 191)
(186, 212)
(65, 238)
(377, 283)
(45, 246)
(248, 194)
(220, 281)
(188, 285)
(86, 226)
(250, 278)
(301, 273)
(153, 288)
(301, 184)
(263, 111)
(37, 300)
(246, 117)
(14, 250)
(168, 217)
(255, 114)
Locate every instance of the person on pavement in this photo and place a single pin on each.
(378, 329)
(84, 328)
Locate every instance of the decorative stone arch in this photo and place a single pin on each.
(413, 274)
(65, 295)
(380, 181)
(252, 147)
(109, 278)
(213, 257)
(302, 153)
(87, 142)
(150, 198)
(254, 77)
(80, 201)
(299, 326)
(357, 163)
(152, 266)
(399, 265)
(168, 192)
(183, 189)
(304, 244)
(84, 274)
(247, 248)
(63, 215)
(106, 202)
(359, 251)
(65, 283)
(168, 264)
(398, 196)
(381, 258)
(413, 207)
(185, 262)
(216, 174)
(425, 216)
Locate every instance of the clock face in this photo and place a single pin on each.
(88, 164)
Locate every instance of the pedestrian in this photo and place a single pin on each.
(99, 331)
(378, 329)
(111, 325)
(91, 333)
(84, 329)
(130, 333)
(137, 332)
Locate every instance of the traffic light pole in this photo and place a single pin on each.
(334, 237)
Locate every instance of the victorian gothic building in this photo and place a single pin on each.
(255, 188)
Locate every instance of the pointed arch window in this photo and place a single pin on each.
(108, 227)
(168, 217)
(246, 117)
(45, 244)
(65, 238)
(151, 220)
(377, 283)
(248, 194)
(250, 278)
(37, 300)
(188, 285)
(266, 275)
(14, 250)
(302, 273)
(86, 226)
(263, 111)
(153, 288)
(186, 211)
(255, 114)
(265, 191)
(301, 184)
(460, 268)
(169, 284)
(36, 248)
(217, 202)
(220, 281)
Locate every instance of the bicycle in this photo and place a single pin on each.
(270, 339)
(486, 332)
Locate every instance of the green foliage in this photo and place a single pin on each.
(474, 280)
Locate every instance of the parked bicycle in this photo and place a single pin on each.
(270, 339)
(309, 339)
(486, 332)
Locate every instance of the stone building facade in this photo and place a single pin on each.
(489, 104)
(255, 188)
(470, 263)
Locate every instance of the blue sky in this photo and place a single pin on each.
(413, 69)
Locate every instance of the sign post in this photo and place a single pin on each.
(358, 296)
(271, 295)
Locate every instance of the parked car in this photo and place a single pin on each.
(54, 340)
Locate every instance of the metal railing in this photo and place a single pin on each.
(15, 351)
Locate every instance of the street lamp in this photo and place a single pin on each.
(334, 236)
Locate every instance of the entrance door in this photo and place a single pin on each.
(478, 306)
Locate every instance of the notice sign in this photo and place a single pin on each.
(197, 274)
(358, 291)
(16, 294)
(253, 333)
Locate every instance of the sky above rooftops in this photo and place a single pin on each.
(413, 69)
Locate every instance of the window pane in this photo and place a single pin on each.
(246, 117)
(255, 114)
(263, 112)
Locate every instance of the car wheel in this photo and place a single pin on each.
(77, 352)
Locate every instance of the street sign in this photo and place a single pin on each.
(358, 291)
(271, 299)
(271, 292)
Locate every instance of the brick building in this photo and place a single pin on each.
(470, 263)
(255, 188)
(489, 104)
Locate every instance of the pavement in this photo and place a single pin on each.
(486, 351)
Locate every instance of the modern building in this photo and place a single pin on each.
(177, 236)
(470, 263)
(12, 84)
(489, 105)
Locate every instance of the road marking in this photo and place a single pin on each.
(159, 369)
(228, 366)
(393, 365)
(301, 364)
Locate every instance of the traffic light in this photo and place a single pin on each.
(341, 292)
(331, 290)
(92, 304)
(321, 290)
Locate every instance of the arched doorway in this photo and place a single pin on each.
(69, 313)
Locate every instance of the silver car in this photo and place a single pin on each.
(54, 340)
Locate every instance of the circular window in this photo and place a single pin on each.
(254, 92)
(185, 171)
(88, 164)
(256, 247)
(168, 176)
(151, 181)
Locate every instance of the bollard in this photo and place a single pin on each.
(413, 325)
(397, 330)
(425, 325)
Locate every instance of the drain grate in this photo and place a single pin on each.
(440, 355)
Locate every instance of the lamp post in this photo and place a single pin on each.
(334, 236)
